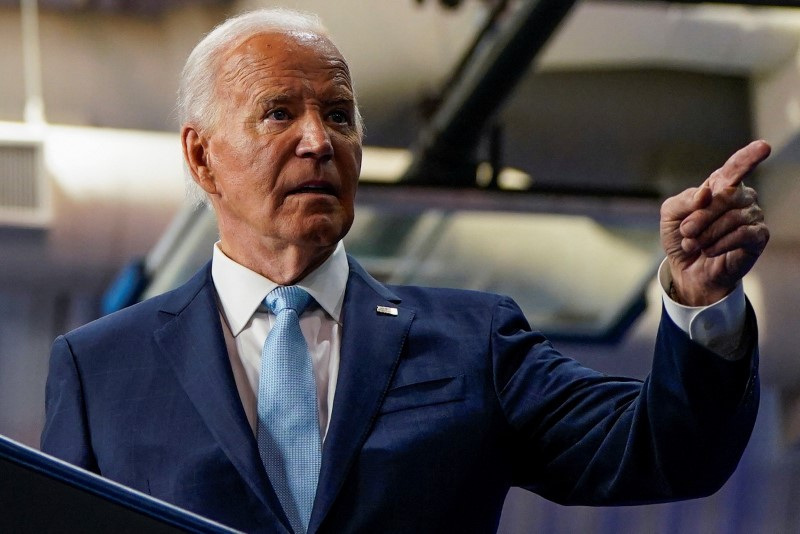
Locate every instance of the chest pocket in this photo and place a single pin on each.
(424, 391)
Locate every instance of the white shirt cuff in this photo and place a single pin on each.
(717, 327)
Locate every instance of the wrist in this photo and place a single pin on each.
(673, 293)
(703, 296)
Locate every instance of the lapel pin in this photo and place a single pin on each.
(386, 310)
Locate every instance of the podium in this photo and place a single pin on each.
(41, 494)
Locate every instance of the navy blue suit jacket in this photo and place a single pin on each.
(438, 411)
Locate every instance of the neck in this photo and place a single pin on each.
(285, 265)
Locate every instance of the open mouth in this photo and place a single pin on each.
(321, 188)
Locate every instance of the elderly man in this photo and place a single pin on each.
(283, 389)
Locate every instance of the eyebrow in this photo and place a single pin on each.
(340, 101)
(276, 98)
(284, 97)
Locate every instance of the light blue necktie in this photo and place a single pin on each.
(288, 425)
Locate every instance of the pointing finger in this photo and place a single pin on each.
(738, 166)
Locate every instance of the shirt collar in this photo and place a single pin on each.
(241, 291)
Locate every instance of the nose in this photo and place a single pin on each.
(314, 139)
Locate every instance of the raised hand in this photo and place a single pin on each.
(713, 234)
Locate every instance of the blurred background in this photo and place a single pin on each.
(495, 130)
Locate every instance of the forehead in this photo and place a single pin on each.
(284, 58)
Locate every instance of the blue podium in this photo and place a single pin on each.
(41, 494)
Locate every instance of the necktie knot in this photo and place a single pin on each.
(288, 297)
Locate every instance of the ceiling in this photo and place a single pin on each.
(627, 98)
(633, 98)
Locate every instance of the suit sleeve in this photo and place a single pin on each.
(66, 430)
(582, 437)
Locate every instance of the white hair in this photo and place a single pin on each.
(196, 92)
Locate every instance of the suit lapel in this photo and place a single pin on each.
(192, 341)
(372, 342)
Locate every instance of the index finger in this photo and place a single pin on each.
(738, 166)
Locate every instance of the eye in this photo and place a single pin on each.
(279, 114)
(339, 116)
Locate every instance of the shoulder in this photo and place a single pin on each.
(447, 296)
(463, 312)
(144, 316)
(437, 300)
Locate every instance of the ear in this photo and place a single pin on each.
(196, 155)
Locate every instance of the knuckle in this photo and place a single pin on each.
(665, 206)
(752, 215)
(763, 232)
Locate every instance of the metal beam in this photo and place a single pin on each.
(445, 149)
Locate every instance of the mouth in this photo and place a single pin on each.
(314, 187)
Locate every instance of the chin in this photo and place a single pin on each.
(324, 235)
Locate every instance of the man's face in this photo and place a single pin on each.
(286, 153)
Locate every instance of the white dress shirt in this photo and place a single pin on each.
(717, 327)
(246, 323)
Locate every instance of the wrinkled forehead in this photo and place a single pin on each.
(278, 53)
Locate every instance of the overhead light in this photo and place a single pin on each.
(384, 165)
(514, 179)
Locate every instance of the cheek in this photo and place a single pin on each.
(250, 199)
(347, 198)
(350, 168)
(255, 179)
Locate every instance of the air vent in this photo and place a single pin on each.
(22, 184)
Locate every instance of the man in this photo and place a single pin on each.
(430, 403)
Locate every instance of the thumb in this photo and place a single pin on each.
(680, 206)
